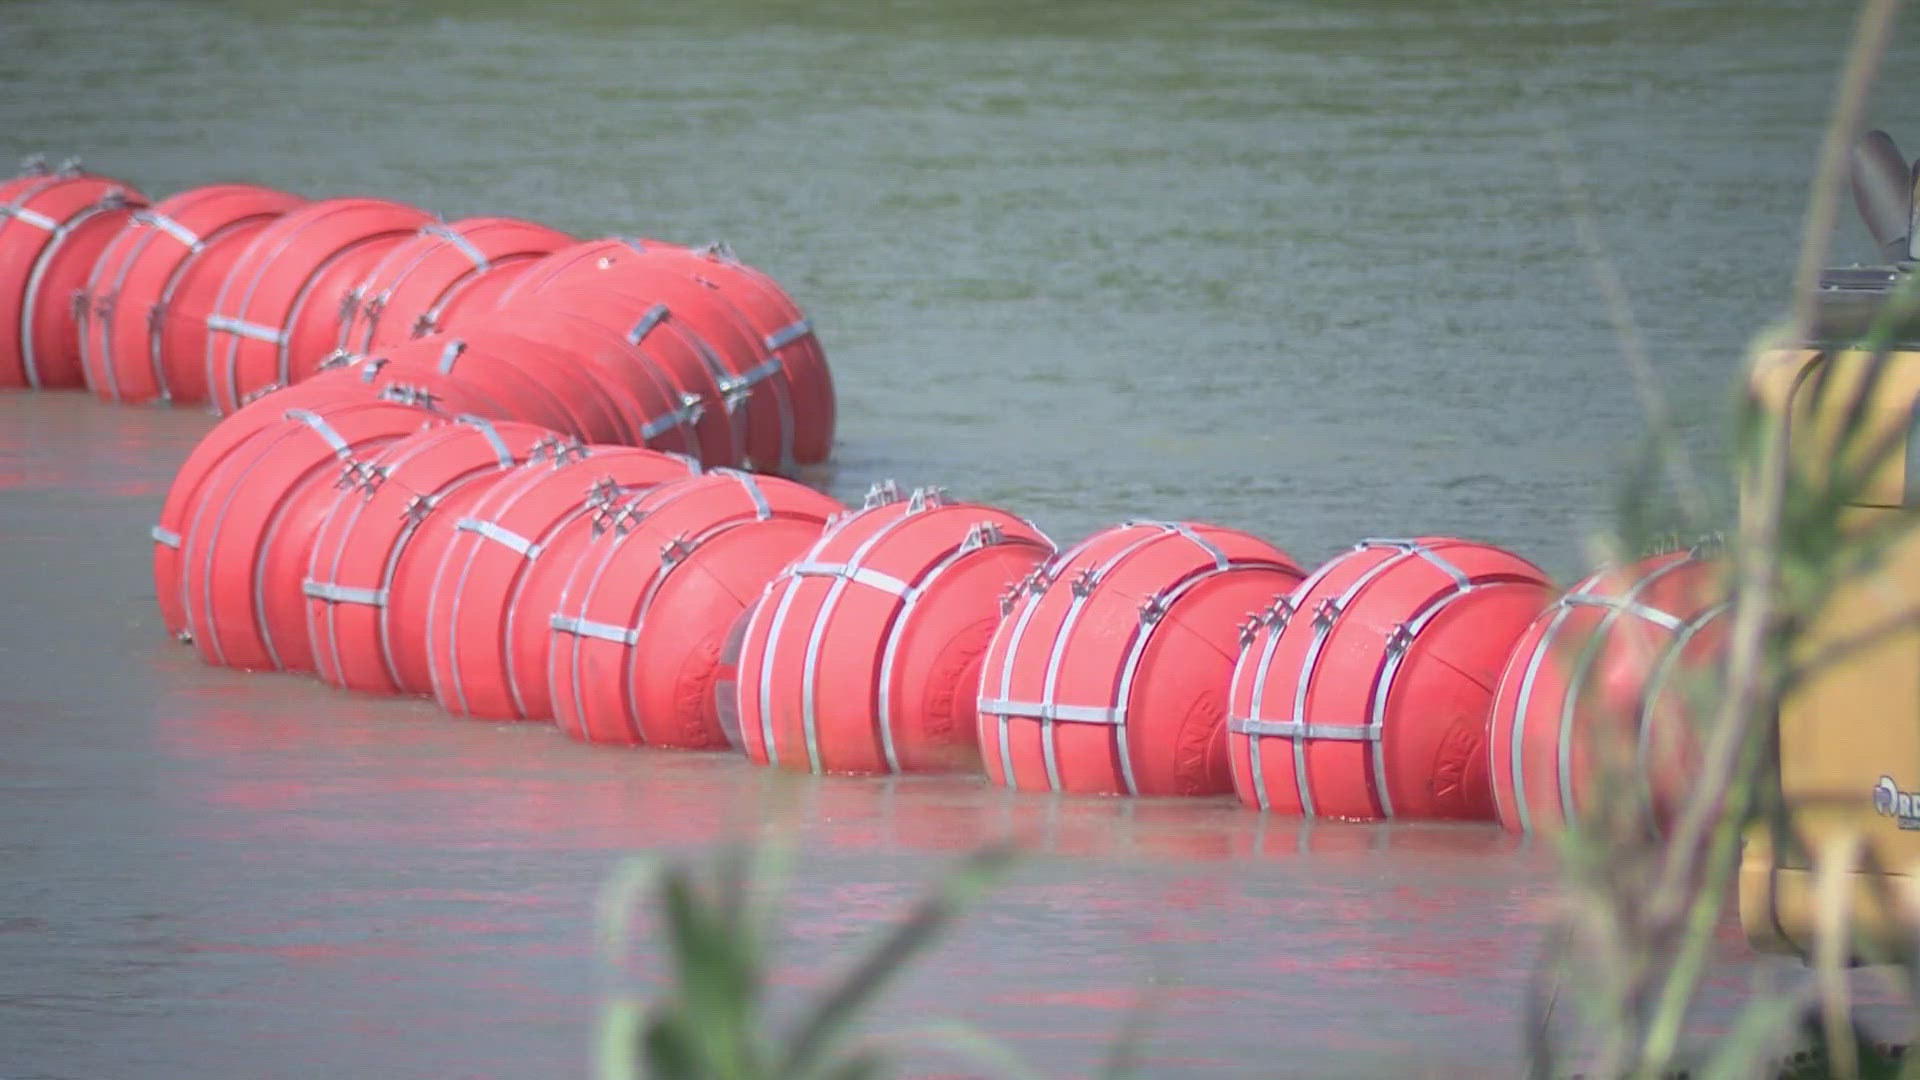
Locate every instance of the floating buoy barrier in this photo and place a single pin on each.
(430, 277)
(377, 511)
(248, 539)
(1606, 666)
(164, 258)
(1110, 669)
(638, 635)
(476, 587)
(54, 223)
(278, 313)
(864, 656)
(1365, 692)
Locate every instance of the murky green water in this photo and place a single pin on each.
(1302, 268)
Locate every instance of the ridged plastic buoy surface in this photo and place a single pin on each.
(1110, 669)
(476, 588)
(245, 549)
(360, 541)
(864, 656)
(277, 315)
(1366, 692)
(1604, 667)
(53, 226)
(133, 289)
(785, 330)
(638, 635)
(428, 277)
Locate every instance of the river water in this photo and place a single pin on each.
(1303, 268)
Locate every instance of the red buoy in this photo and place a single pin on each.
(476, 588)
(53, 226)
(277, 315)
(1366, 692)
(1110, 669)
(751, 378)
(864, 655)
(183, 495)
(786, 331)
(246, 546)
(678, 353)
(359, 543)
(134, 284)
(420, 281)
(662, 416)
(1599, 667)
(638, 636)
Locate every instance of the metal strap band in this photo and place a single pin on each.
(762, 510)
(633, 242)
(465, 245)
(485, 427)
(619, 635)
(321, 428)
(1219, 557)
(504, 537)
(344, 594)
(687, 413)
(1294, 729)
(787, 335)
(1627, 605)
(245, 329)
(171, 227)
(860, 575)
(166, 536)
(654, 316)
(30, 217)
(1065, 714)
(451, 355)
(752, 376)
(1460, 579)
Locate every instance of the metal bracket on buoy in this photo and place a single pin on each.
(1083, 582)
(1327, 610)
(1279, 614)
(882, 493)
(423, 324)
(71, 166)
(405, 394)
(1152, 609)
(1399, 639)
(1010, 597)
(335, 359)
(34, 165)
(982, 534)
(925, 498)
(674, 550)
(418, 507)
(371, 369)
(1249, 629)
(256, 394)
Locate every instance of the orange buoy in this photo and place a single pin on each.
(864, 655)
(53, 226)
(277, 314)
(476, 588)
(752, 379)
(1110, 668)
(1601, 663)
(678, 353)
(359, 542)
(662, 415)
(785, 329)
(637, 637)
(134, 282)
(183, 495)
(247, 543)
(420, 280)
(1365, 693)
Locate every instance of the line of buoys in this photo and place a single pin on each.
(489, 464)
